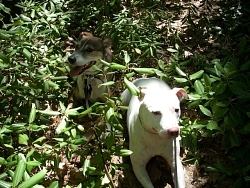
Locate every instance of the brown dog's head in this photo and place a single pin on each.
(88, 51)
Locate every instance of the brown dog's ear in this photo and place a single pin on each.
(85, 34)
(107, 43)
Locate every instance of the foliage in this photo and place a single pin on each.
(39, 126)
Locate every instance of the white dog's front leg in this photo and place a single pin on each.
(142, 175)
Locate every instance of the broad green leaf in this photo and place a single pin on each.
(172, 50)
(61, 126)
(33, 180)
(4, 184)
(25, 18)
(32, 115)
(2, 161)
(86, 164)
(117, 66)
(23, 139)
(180, 80)
(218, 65)
(194, 104)
(198, 87)
(126, 57)
(234, 138)
(196, 75)
(110, 140)
(123, 152)
(33, 163)
(49, 113)
(236, 116)
(237, 88)
(131, 87)
(27, 54)
(104, 62)
(54, 184)
(3, 175)
(107, 84)
(59, 78)
(144, 70)
(212, 125)
(205, 111)
(161, 64)
(179, 71)
(207, 80)
(21, 166)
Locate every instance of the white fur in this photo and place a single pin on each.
(149, 118)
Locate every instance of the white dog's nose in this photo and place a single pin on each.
(173, 132)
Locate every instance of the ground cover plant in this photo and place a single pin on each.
(202, 46)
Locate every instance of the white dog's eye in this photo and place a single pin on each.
(177, 110)
(157, 113)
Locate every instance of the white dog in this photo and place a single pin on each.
(152, 121)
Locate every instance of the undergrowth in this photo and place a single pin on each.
(207, 54)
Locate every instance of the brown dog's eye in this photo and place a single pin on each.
(89, 50)
(157, 113)
(176, 110)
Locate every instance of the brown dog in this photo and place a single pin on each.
(88, 51)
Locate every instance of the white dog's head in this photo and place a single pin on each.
(160, 114)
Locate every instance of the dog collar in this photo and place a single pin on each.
(152, 131)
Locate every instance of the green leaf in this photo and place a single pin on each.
(110, 140)
(27, 54)
(234, 138)
(33, 163)
(196, 75)
(131, 87)
(212, 125)
(54, 184)
(207, 80)
(236, 117)
(104, 62)
(172, 50)
(144, 70)
(107, 84)
(4, 184)
(205, 111)
(123, 152)
(86, 164)
(33, 180)
(117, 66)
(161, 64)
(126, 57)
(179, 71)
(180, 80)
(23, 139)
(21, 166)
(25, 18)
(198, 87)
(49, 113)
(218, 65)
(61, 126)
(237, 88)
(32, 115)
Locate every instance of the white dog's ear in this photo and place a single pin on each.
(141, 94)
(180, 93)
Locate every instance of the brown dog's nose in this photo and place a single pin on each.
(173, 132)
(72, 59)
